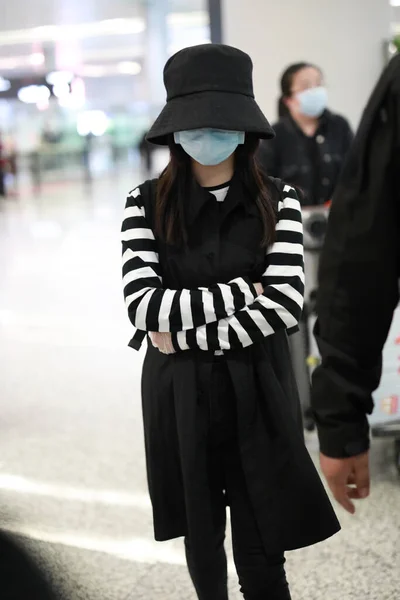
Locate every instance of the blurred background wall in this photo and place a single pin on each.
(344, 37)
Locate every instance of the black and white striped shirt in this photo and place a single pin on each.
(226, 315)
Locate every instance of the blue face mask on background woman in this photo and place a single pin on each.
(209, 147)
(313, 102)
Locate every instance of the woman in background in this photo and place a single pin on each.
(311, 142)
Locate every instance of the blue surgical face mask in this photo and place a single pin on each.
(209, 147)
(313, 102)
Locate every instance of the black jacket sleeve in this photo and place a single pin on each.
(358, 287)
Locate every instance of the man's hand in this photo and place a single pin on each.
(259, 288)
(348, 478)
(163, 342)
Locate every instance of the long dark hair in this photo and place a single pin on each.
(174, 187)
(287, 84)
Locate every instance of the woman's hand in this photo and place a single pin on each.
(163, 342)
(259, 288)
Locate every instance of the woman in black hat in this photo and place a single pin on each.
(213, 273)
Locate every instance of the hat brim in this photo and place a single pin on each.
(216, 110)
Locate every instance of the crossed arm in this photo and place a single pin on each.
(225, 316)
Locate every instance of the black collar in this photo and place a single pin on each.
(200, 197)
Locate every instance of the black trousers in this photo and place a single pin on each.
(261, 576)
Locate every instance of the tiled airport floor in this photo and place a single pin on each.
(72, 480)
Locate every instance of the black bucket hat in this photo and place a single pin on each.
(209, 86)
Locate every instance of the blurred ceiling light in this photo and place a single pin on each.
(93, 71)
(70, 102)
(11, 63)
(93, 122)
(186, 19)
(61, 89)
(100, 126)
(53, 33)
(121, 26)
(36, 59)
(395, 2)
(34, 94)
(5, 85)
(117, 54)
(129, 68)
(77, 98)
(39, 33)
(82, 126)
(59, 77)
(110, 69)
(43, 104)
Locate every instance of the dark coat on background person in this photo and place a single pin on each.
(290, 505)
(359, 272)
(311, 163)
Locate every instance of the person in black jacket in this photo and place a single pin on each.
(311, 142)
(358, 291)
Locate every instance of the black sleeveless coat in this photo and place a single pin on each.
(290, 503)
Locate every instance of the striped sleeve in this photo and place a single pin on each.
(281, 304)
(155, 309)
